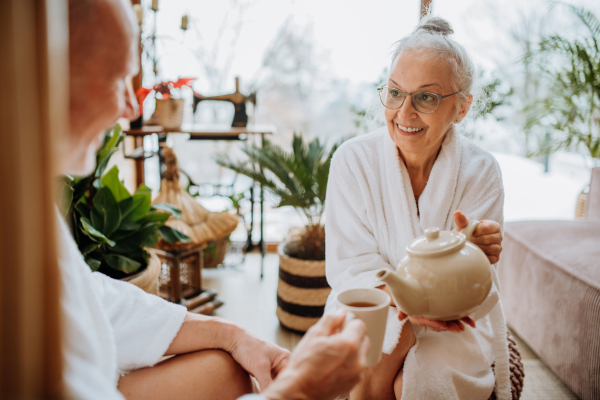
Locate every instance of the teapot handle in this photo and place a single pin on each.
(470, 228)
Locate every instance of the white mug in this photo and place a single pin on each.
(374, 317)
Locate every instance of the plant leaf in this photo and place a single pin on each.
(155, 217)
(65, 194)
(111, 181)
(122, 263)
(80, 186)
(82, 210)
(173, 235)
(90, 248)
(106, 206)
(94, 234)
(142, 201)
(93, 263)
(110, 143)
(174, 211)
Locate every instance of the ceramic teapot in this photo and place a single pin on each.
(443, 277)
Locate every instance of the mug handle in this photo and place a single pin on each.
(470, 228)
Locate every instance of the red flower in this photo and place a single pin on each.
(183, 82)
(140, 95)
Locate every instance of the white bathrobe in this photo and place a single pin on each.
(109, 327)
(371, 216)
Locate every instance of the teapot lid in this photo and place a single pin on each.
(436, 243)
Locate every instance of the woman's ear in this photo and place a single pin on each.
(465, 107)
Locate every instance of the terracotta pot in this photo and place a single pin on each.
(147, 279)
(170, 113)
(302, 290)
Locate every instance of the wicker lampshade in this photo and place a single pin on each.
(197, 222)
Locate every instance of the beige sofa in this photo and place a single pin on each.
(550, 288)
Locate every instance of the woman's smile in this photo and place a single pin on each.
(409, 129)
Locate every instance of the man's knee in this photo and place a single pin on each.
(225, 369)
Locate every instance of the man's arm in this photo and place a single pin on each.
(261, 359)
(200, 332)
(326, 363)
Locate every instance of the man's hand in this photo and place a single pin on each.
(262, 360)
(487, 236)
(326, 363)
(456, 325)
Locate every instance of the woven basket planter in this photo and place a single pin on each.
(214, 257)
(147, 280)
(170, 113)
(302, 291)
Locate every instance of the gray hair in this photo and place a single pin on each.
(433, 34)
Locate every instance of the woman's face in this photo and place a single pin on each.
(414, 71)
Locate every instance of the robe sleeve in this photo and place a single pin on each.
(144, 325)
(483, 199)
(352, 255)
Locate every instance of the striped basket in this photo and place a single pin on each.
(302, 291)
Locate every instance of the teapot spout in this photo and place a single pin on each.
(407, 293)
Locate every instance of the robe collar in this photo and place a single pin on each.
(436, 201)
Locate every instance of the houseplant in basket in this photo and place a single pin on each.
(569, 109)
(114, 228)
(169, 108)
(298, 179)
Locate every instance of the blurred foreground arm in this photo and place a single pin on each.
(326, 363)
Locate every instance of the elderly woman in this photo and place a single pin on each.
(387, 187)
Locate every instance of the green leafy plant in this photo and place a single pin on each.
(571, 105)
(297, 178)
(112, 227)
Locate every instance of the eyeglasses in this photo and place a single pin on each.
(425, 102)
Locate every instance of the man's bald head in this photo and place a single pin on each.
(103, 54)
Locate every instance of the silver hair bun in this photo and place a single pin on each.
(435, 25)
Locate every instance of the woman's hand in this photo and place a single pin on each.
(487, 236)
(456, 325)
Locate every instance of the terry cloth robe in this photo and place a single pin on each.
(110, 327)
(371, 216)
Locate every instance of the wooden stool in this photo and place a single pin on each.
(180, 279)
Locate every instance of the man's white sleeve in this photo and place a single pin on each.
(144, 325)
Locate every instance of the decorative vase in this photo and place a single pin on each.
(302, 290)
(170, 113)
(581, 205)
(147, 280)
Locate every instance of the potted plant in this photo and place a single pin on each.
(113, 228)
(169, 108)
(298, 179)
(570, 108)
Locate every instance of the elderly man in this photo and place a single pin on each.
(115, 334)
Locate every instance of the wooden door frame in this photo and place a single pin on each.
(33, 117)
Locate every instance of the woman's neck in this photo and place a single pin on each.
(419, 166)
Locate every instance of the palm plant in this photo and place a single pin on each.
(571, 105)
(297, 178)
